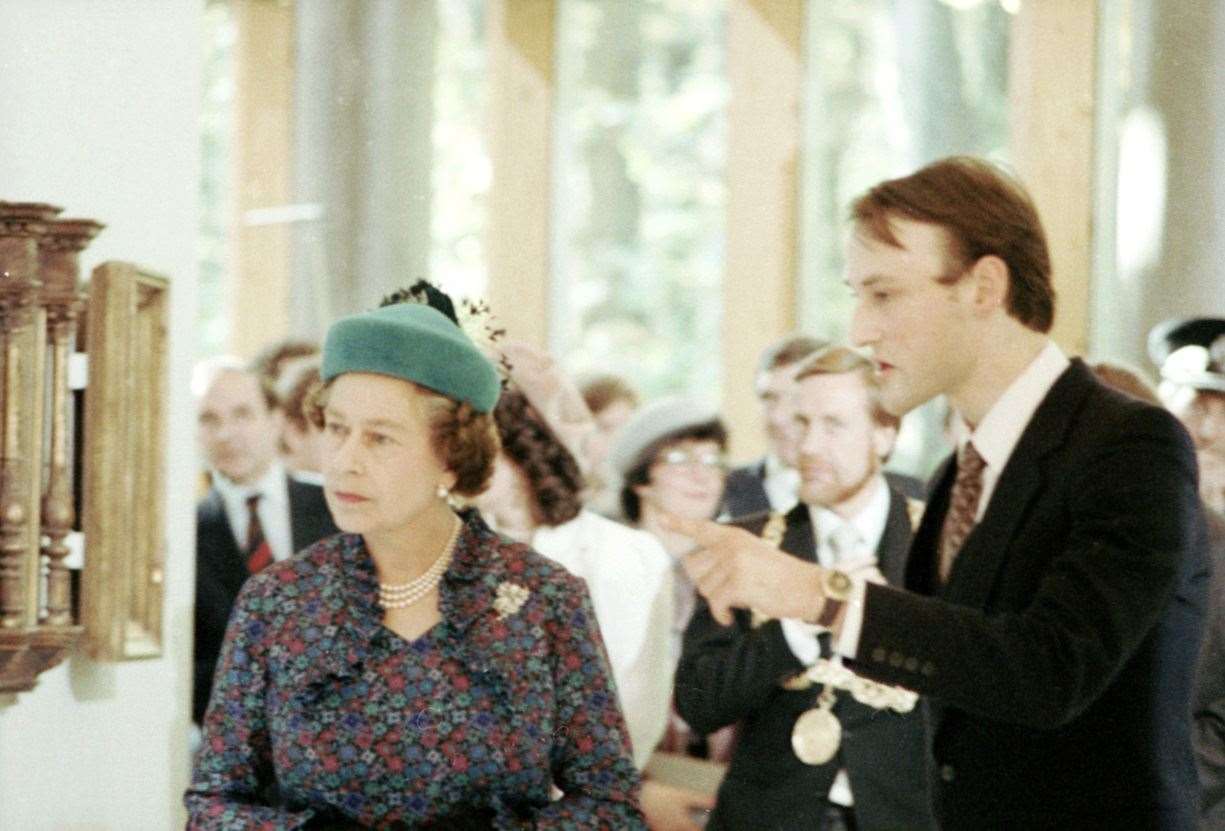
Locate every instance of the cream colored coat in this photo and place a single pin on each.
(629, 576)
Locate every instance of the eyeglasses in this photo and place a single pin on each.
(706, 458)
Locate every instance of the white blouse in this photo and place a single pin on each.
(629, 576)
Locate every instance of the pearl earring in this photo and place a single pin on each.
(443, 492)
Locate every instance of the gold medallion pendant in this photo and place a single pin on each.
(817, 732)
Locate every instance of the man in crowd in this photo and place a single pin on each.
(252, 515)
(1055, 588)
(302, 443)
(772, 482)
(1191, 356)
(757, 673)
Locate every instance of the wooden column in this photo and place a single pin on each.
(765, 68)
(59, 253)
(262, 164)
(23, 337)
(1052, 80)
(28, 645)
(522, 74)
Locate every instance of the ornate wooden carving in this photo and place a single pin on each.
(21, 226)
(39, 301)
(59, 251)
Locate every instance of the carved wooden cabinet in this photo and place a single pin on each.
(41, 308)
(39, 300)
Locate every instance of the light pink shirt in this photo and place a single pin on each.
(995, 438)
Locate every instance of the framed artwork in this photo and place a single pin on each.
(123, 501)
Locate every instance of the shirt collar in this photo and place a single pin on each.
(1000, 430)
(781, 484)
(773, 466)
(270, 486)
(869, 523)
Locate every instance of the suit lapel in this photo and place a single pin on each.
(756, 497)
(1022, 479)
(309, 517)
(891, 552)
(301, 525)
(216, 525)
(921, 564)
(798, 538)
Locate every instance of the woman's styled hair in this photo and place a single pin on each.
(552, 473)
(640, 473)
(604, 390)
(464, 441)
(297, 380)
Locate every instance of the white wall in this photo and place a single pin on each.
(98, 114)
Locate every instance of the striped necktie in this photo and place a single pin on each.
(963, 508)
(259, 554)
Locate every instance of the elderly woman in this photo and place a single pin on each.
(417, 670)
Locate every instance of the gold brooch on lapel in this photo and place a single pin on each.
(510, 597)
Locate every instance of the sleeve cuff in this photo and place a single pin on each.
(801, 638)
(847, 643)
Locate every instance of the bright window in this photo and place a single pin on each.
(639, 191)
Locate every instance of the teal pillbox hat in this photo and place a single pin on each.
(417, 343)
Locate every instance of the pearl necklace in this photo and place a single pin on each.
(403, 595)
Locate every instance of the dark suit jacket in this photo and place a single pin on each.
(731, 675)
(744, 493)
(221, 569)
(1060, 656)
(1209, 706)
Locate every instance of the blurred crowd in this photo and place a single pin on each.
(587, 475)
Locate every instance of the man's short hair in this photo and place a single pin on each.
(985, 212)
(206, 372)
(602, 391)
(1127, 379)
(836, 360)
(274, 357)
(791, 349)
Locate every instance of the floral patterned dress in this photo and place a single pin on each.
(322, 717)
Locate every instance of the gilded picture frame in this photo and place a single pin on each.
(124, 449)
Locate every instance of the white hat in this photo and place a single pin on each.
(655, 421)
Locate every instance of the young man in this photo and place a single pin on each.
(1055, 588)
(252, 515)
(756, 673)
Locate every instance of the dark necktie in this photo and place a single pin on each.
(963, 508)
(258, 553)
